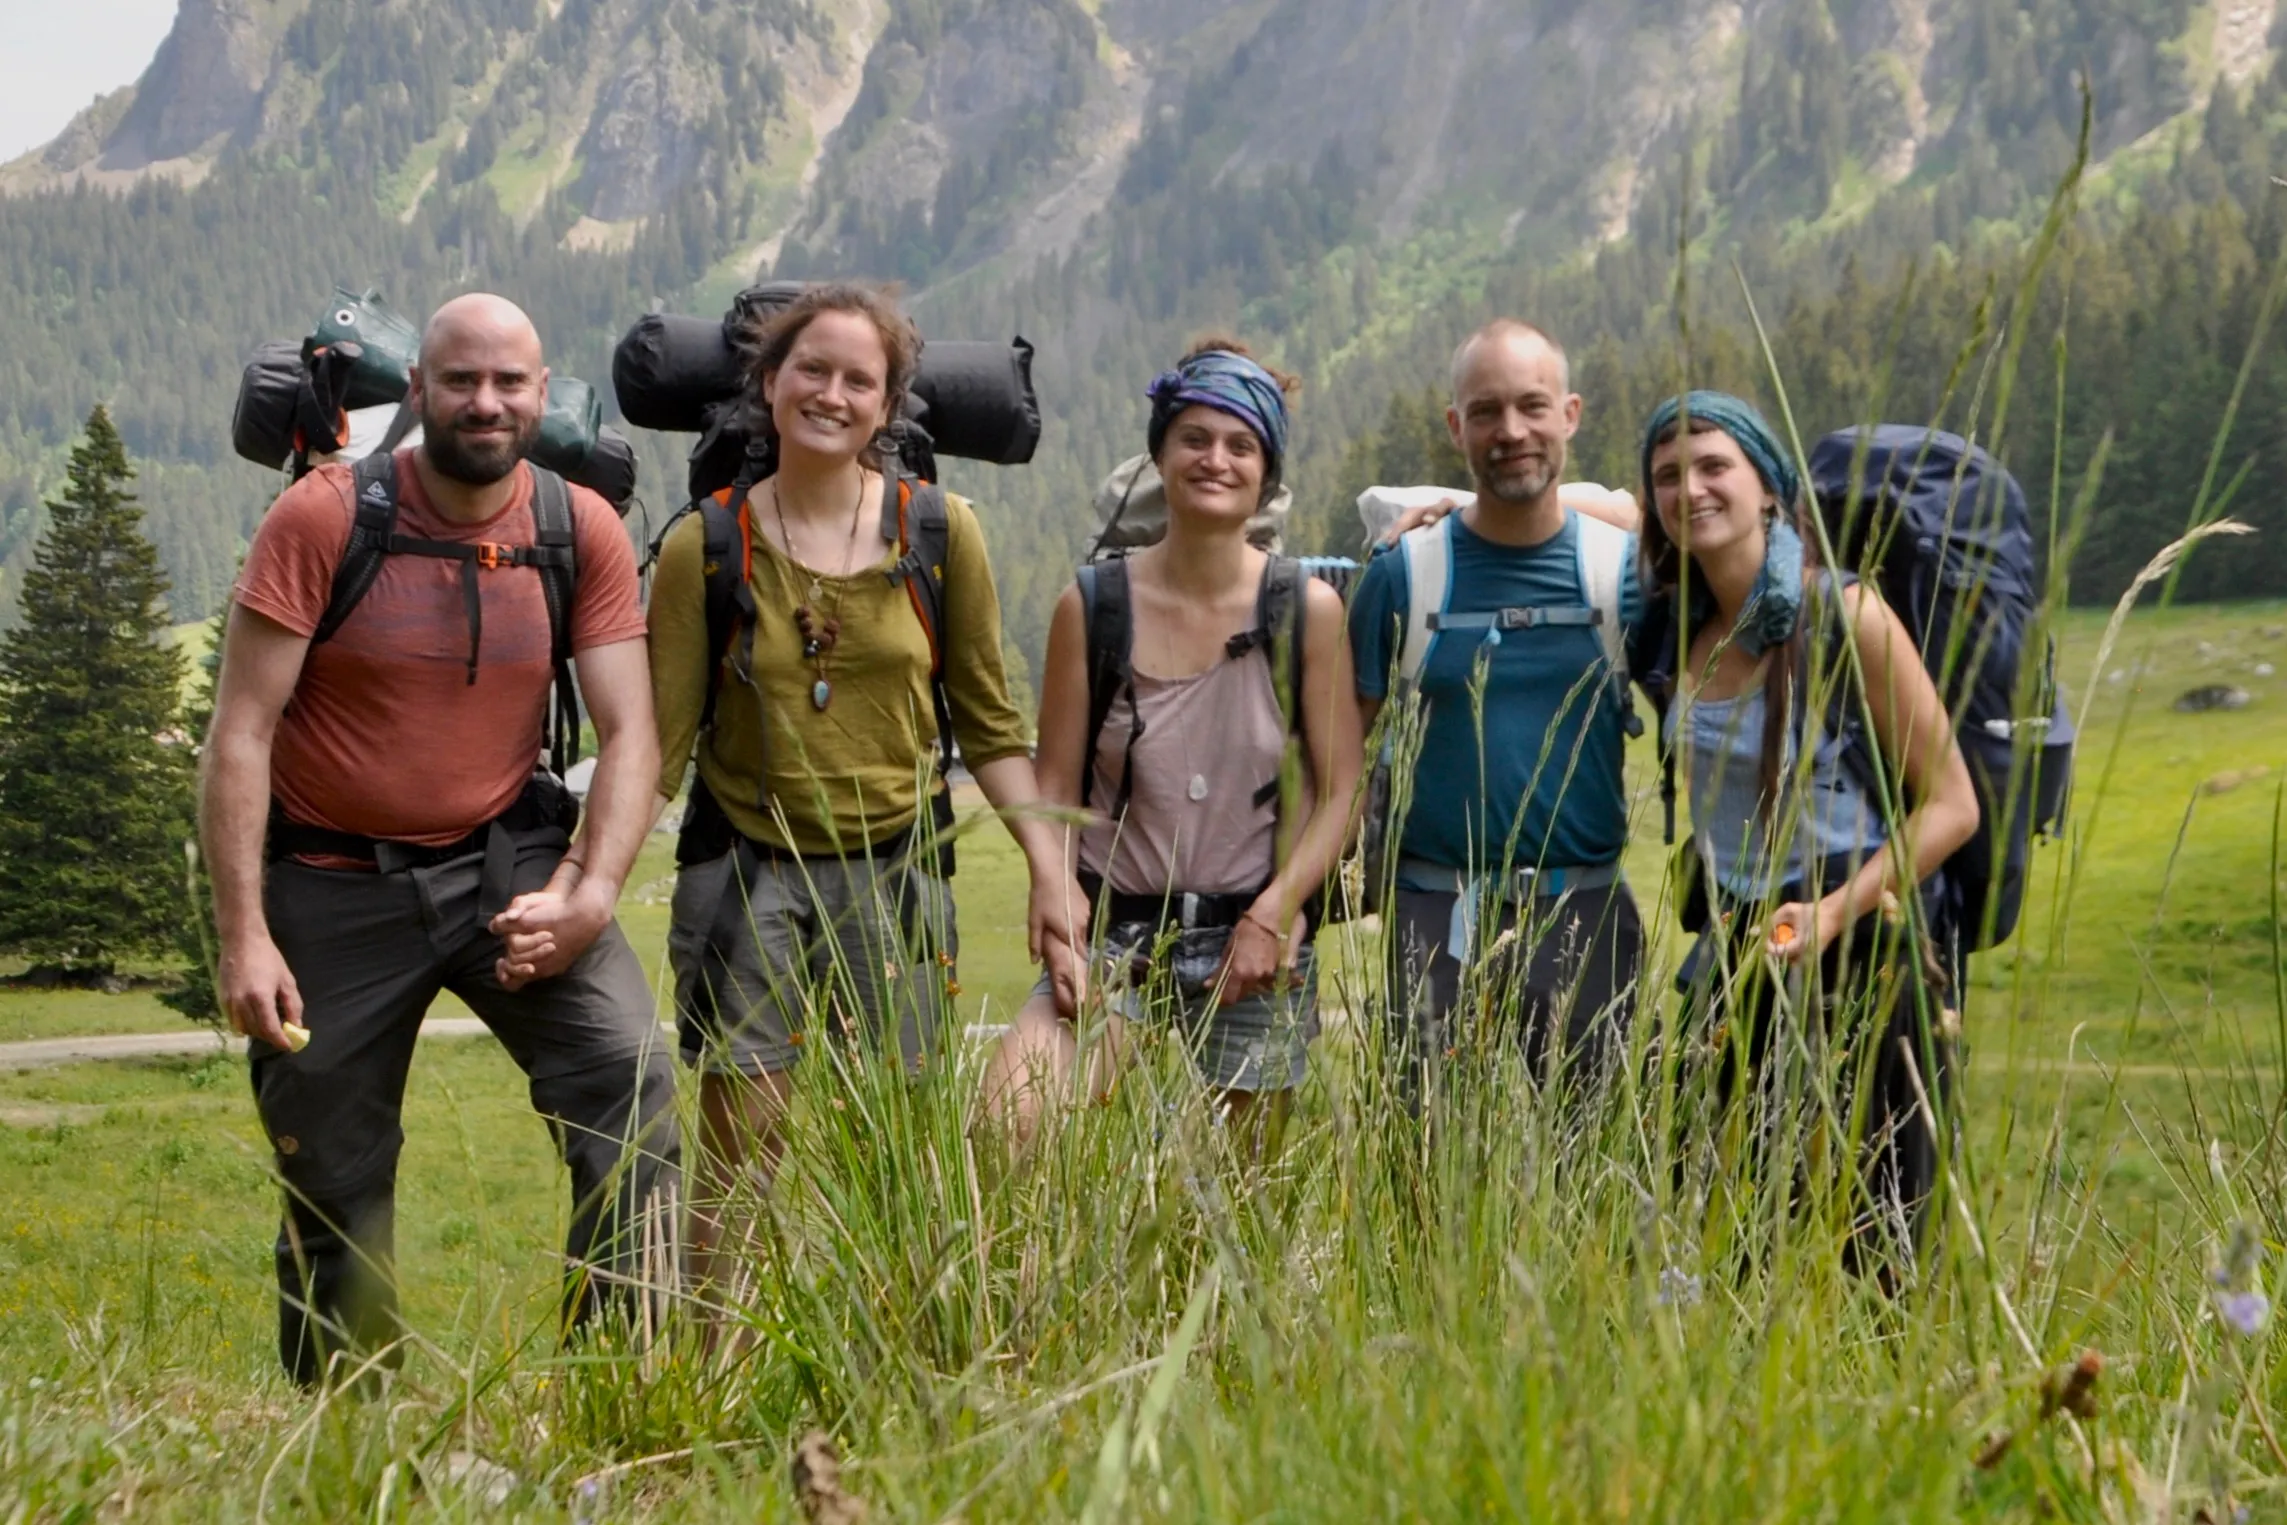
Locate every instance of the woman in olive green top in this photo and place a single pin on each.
(809, 877)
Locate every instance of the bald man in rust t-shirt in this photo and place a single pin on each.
(379, 831)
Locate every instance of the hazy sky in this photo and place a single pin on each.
(57, 55)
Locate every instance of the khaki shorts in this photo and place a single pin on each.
(760, 945)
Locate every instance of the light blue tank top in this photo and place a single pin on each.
(1749, 850)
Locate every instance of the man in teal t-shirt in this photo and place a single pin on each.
(1517, 812)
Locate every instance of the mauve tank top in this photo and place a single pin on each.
(1209, 743)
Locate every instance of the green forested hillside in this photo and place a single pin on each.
(1351, 184)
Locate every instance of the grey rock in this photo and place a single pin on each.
(2213, 696)
(647, 139)
(487, 1480)
(205, 83)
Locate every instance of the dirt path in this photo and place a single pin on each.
(44, 1053)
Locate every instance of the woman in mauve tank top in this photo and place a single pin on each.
(1217, 783)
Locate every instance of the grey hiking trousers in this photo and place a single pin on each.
(370, 952)
(1556, 974)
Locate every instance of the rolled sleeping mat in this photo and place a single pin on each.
(981, 404)
(571, 432)
(291, 401)
(668, 370)
(1381, 507)
(262, 422)
(608, 468)
(275, 394)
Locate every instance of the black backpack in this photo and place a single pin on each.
(553, 553)
(1108, 611)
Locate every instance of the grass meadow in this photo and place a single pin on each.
(1525, 1316)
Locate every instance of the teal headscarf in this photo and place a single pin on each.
(1776, 603)
(1737, 418)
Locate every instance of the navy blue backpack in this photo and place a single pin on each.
(1941, 529)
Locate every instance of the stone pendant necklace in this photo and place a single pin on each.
(820, 629)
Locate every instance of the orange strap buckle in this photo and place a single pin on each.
(491, 554)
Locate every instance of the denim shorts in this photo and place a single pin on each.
(1259, 1044)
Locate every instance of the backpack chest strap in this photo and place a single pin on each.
(476, 555)
(1530, 617)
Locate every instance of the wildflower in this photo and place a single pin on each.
(2235, 1283)
(2247, 1312)
(1678, 1288)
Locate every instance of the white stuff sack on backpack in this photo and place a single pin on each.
(1381, 507)
(1132, 506)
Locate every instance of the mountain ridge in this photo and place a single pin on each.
(1347, 182)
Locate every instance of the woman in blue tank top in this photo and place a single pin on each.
(1802, 876)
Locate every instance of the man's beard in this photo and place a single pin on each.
(1524, 482)
(456, 458)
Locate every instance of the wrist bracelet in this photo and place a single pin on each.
(1264, 927)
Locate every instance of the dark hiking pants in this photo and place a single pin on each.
(1555, 974)
(371, 952)
(1870, 1017)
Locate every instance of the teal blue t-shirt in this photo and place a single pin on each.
(1541, 784)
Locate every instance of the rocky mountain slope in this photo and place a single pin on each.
(937, 133)
(1342, 177)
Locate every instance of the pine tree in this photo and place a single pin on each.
(95, 776)
(195, 939)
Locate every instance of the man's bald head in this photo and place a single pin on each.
(480, 316)
(479, 389)
(1508, 333)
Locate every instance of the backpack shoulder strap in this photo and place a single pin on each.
(1828, 657)
(557, 559)
(726, 563)
(1280, 609)
(1604, 550)
(1652, 664)
(924, 536)
(1428, 553)
(373, 505)
(1108, 615)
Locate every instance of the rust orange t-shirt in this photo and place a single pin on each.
(385, 735)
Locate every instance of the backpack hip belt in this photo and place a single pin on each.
(1518, 886)
(544, 805)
